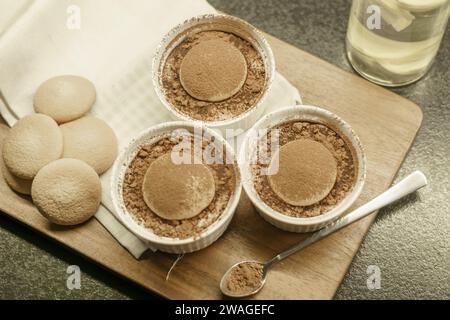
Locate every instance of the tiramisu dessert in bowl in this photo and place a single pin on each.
(302, 167)
(216, 69)
(177, 186)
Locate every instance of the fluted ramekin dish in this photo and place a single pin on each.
(310, 114)
(216, 22)
(167, 244)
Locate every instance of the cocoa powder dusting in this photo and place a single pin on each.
(242, 101)
(245, 278)
(346, 168)
(224, 178)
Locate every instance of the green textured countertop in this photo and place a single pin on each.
(409, 241)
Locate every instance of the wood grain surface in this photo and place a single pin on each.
(386, 124)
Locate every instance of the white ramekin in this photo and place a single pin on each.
(224, 23)
(300, 113)
(166, 244)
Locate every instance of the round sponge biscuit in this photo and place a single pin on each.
(305, 172)
(91, 140)
(32, 142)
(17, 184)
(65, 98)
(177, 191)
(213, 70)
(66, 191)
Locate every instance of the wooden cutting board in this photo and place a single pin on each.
(387, 125)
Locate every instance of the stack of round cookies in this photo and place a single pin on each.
(57, 154)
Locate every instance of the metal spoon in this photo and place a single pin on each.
(408, 185)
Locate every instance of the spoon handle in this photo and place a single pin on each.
(411, 183)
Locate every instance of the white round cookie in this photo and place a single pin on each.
(91, 140)
(17, 184)
(32, 142)
(67, 191)
(65, 98)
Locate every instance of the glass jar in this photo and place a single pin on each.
(394, 42)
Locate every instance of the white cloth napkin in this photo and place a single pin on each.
(113, 48)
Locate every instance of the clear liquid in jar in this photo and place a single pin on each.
(403, 49)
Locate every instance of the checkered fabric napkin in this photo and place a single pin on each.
(113, 47)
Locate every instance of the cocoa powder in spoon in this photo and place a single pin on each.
(245, 278)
